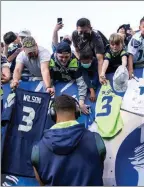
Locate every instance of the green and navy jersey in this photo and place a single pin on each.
(115, 60)
(108, 116)
(64, 73)
(68, 73)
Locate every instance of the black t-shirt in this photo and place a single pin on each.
(114, 60)
(94, 43)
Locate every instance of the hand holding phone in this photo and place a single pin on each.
(59, 20)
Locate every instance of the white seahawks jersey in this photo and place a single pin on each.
(136, 47)
(133, 100)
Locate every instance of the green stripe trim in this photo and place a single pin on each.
(73, 63)
(64, 124)
(52, 63)
(1, 92)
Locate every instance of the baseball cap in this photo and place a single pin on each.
(24, 33)
(120, 79)
(63, 47)
(29, 44)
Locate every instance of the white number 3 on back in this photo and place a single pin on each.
(27, 119)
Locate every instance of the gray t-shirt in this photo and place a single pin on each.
(33, 65)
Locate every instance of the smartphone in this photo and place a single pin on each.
(59, 20)
(61, 37)
(89, 108)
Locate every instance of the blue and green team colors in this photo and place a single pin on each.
(1, 92)
(108, 116)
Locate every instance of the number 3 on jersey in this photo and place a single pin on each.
(141, 55)
(106, 107)
(28, 119)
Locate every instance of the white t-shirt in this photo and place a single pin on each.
(136, 47)
(33, 65)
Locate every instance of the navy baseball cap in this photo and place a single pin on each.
(63, 47)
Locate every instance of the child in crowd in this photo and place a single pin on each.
(89, 67)
(114, 56)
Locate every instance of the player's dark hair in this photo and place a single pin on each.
(141, 20)
(83, 22)
(85, 55)
(65, 103)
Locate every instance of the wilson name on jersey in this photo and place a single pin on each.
(25, 115)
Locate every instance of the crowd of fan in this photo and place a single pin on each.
(94, 56)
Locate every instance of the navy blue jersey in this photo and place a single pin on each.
(26, 118)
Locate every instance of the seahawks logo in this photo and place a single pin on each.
(135, 43)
